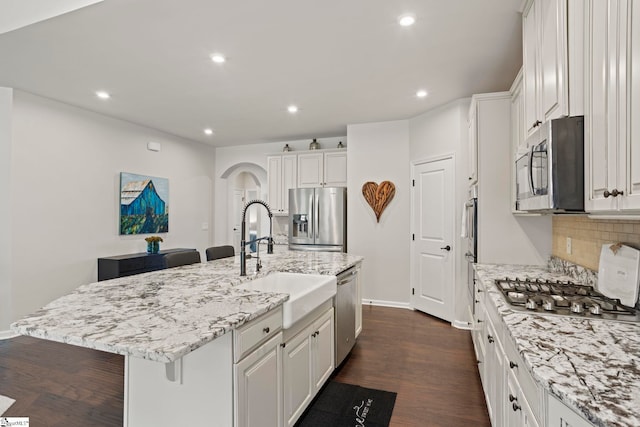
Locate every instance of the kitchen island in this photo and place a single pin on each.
(173, 316)
(591, 366)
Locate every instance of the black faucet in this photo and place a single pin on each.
(244, 243)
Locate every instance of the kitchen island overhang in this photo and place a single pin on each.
(178, 317)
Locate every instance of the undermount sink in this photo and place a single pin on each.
(306, 292)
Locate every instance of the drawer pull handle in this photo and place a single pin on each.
(490, 339)
(516, 407)
(512, 397)
(479, 321)
(266, 330)
(513, 365)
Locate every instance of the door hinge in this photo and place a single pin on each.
(413, 291)
(413, 182)
(413, 237)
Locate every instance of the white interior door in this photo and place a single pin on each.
(432, 252)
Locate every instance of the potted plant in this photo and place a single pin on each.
(153, 244)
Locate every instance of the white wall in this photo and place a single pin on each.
(65, 185)
(435, 133)
(255, 155)
(6, 101)
(380, 152)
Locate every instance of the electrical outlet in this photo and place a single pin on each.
(569, 245)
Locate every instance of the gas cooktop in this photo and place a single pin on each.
(563, 298)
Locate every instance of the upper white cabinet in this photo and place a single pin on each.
(612, 120)
(322, 169)
(473, 146)
(552, 45)
(282, 172)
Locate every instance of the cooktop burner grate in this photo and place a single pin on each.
(563, 298)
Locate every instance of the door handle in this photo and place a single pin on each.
(447, 248)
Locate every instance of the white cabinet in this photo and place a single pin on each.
(307, 362)
(560, 415)
(545, 62)
(518, 141)
(282, 172)
(513, 398)
(258, 387)
(358, 299)
(517, 411)
(324, 168)
(612, 129)
(479, 328)
(473, 146)
(257, 372)
(494, 374)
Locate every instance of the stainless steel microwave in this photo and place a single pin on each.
(550, 176)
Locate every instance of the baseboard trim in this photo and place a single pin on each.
(5, 335)
(461, 324)
(382, 303)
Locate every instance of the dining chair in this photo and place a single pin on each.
(176, 259)
(217, 252)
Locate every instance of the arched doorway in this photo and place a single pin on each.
(244, 182)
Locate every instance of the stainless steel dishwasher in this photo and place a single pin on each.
(345, 314)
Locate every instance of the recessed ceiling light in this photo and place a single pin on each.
(102, 94)
(292, 109)
(407, 20)
(421, 93)
(208, 131)
(218, 58)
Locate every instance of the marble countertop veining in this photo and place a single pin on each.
(593, 366)
(166, 314)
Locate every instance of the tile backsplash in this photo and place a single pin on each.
(588, 235)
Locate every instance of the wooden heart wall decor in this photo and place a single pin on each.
(378, 196)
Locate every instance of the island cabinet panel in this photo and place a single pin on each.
(130, 264)
(258, 387)
(204, 379)
(308, 359)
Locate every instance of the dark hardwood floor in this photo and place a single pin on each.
(427, 362)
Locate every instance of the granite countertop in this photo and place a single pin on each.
(166, 314)
(593, 366)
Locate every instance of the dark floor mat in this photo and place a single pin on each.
(346, 405)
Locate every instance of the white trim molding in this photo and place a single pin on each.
(381, 303)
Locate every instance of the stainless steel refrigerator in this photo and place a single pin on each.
(318, 219)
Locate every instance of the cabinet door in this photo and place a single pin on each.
(601, 138)
(258, 387)
(494, 374)
(528, 420)
(310, 170)
(512, 411)
(358, 301)
(553, 58)
(296, 372)
(289, 178)
(631, 150)
(473, 146)
(323, 345)
(274, 176)
(559, 415)
(335, 169)
(479, 333)
(530, 67)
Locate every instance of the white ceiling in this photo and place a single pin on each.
(340, 61)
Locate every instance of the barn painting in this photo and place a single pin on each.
(144, 204)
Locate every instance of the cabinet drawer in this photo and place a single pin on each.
(131, 264)
(248, 336)
(524, 378)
